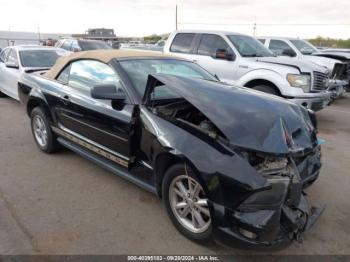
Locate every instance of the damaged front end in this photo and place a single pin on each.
(278, 214)
(263, 153)
(339, 80)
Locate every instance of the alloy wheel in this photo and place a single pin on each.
(189, 204)
(40, 130)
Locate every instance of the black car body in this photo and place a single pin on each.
(252, 153)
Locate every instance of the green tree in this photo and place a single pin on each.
(330, 42)
(152, 38)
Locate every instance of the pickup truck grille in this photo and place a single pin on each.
(320, 81)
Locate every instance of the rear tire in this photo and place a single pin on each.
(45, 139)
(267, 89)
(193, 218)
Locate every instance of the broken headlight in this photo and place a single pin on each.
(277, 172)
(266, 165)
(273, 166)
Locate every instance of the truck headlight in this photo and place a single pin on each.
(301, 81)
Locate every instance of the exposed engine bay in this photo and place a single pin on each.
(184, 112)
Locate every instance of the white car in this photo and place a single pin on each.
(242, 60)
(302, 50)
(16, 60)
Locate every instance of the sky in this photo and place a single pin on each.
(294, 18)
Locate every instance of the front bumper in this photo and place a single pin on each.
(337, 88)
(274, 217)
(262, 229)
(315, 102)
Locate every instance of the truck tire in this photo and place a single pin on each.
(267, 89)
(45, 139)
(186, 206)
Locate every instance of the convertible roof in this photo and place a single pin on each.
(105, 56)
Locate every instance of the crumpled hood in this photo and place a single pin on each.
(341, 55)
(249, 119)
(302, 66)
(324, 61)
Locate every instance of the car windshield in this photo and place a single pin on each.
(93, 45)
(139, 69)
(249, 47)
(304, 47)
(38, 58)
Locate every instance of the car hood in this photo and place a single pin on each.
(324, 61)
(248, 118)
(302, 66)
(342, 55)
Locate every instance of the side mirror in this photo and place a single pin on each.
(223, 54)
(11, 64)
(108, 92)
(288, 52)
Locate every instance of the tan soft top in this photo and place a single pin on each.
(101, 55)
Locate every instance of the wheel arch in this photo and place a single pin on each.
(260, 81)
(163, 162)
(35, 102)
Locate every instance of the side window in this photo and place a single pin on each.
(64, 75)
(13, 57)
(262, 41)
(209, 44)
(66, 45)
(279, 47)
(75, 47)
(182, 43)
(85, 74)
(58, 43)
(4, 54)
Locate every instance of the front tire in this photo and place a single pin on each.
(43, 136)
(186, 204)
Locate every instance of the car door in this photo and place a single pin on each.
(94, 120)
(10, 74)
(205, 56)
(3, 58)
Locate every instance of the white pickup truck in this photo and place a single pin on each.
(242, 60)
(299, 49)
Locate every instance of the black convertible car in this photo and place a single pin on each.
(229, 163)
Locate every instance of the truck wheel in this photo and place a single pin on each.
(43, 136)
(186, 204)
(267, 89)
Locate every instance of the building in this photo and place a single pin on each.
(101, 34)
(8, 38)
